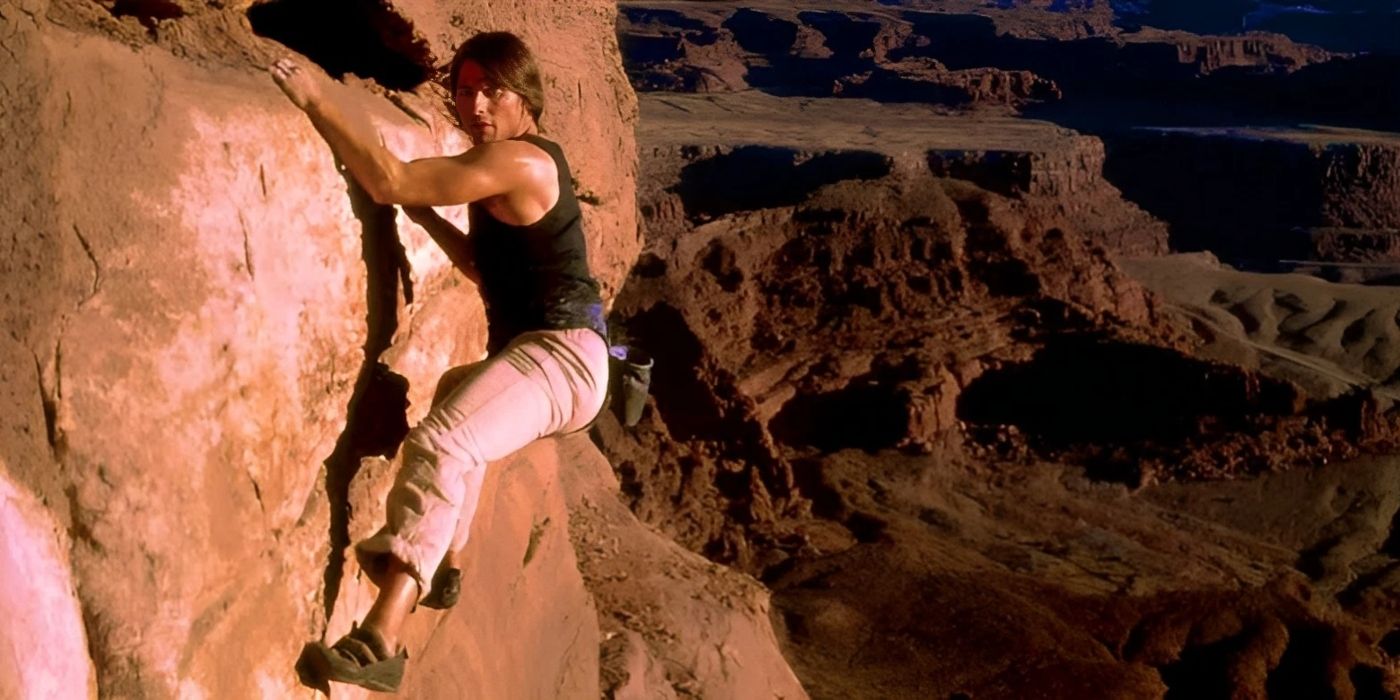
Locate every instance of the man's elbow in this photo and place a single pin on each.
(382, 198)
(385, 183)
(381, 190)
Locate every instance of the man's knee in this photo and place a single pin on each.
(449, 381)
(421, 442)
(436, 440)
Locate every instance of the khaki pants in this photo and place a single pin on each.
(542, 383)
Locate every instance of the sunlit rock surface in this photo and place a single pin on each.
(43, 646)
(208, 330)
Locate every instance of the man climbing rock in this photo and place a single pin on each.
(546, 372)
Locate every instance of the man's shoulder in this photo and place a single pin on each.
(510, 151)
(517, 164)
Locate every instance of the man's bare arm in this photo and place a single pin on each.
(448, 237)
(479, 173)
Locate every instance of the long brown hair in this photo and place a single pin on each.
(507, 63)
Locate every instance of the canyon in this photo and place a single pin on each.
(1003, 350)
(983, 354)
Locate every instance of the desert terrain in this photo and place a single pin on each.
(1026, 349)
(1023, 351)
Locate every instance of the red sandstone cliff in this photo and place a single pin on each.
(210, 334)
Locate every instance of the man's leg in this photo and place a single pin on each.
(392, 605)
(447, 385)
(542, 384)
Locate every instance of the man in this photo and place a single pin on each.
(547, 369)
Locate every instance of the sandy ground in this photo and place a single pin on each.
(1331, 338)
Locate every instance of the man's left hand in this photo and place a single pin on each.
(303, 87)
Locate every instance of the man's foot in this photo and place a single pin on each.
(447, 588)
(359, 658)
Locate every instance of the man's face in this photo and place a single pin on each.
(488, 112)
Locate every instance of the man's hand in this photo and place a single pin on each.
(303, 87)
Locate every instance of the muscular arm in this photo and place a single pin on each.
(449, 238)
(482, 172)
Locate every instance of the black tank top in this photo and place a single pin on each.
(536, 277)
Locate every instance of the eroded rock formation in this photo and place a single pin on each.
(948, 53)
(1261, 191)
(913, 374)
(869, 399)
(705, 156)
(1213, 135)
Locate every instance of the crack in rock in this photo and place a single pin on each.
(376, 418)
(247, 248)
(96, 267)
(412, 112)
(48, 399)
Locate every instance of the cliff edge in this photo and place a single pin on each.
(214, 343)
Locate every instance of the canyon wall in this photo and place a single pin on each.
(1258, 191)
(214, 342)
(922, 369)
(1214, 136)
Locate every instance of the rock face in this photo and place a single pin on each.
(43, 648)
(948, 53)
(209, 328)
(568, 595)
(816, 51)
(714, 154)
(1261, 190)
(674, 625)
(1175, 122)
(1341, 25)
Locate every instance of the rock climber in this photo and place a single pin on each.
(547, 364)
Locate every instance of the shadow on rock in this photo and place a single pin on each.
(376, 418)
(752, 177)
